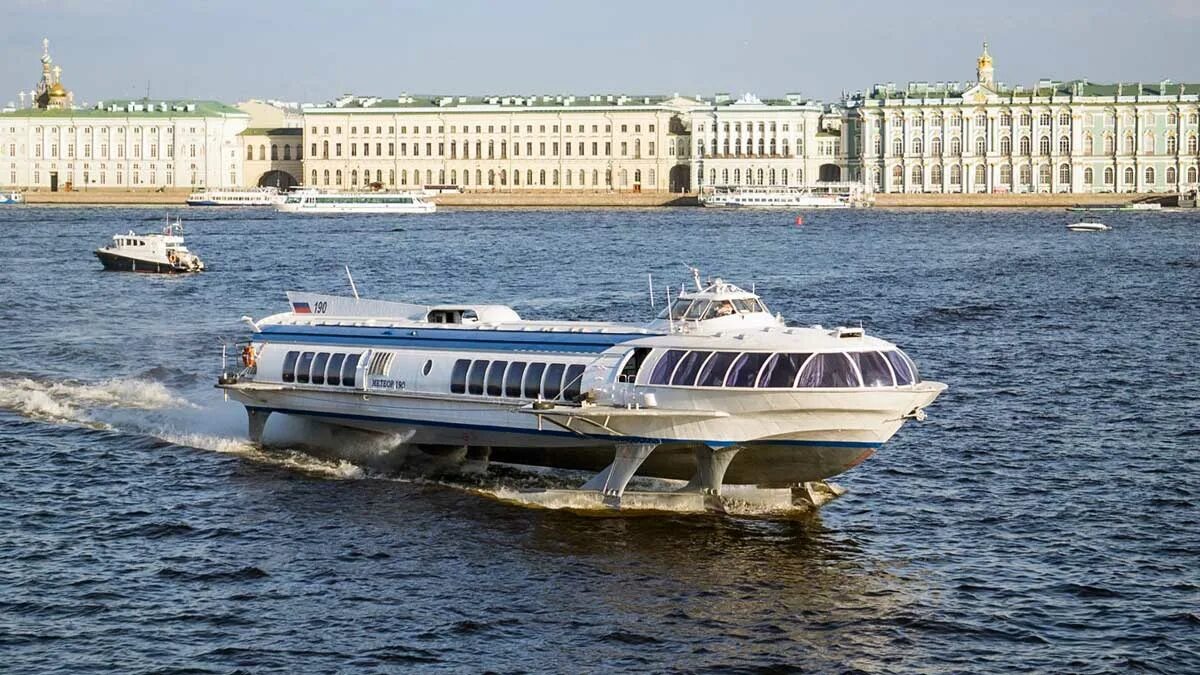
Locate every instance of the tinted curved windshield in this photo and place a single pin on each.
(829, 370)
(745, 369)
(685, 374)
(905, 374)
(781, 372)
(712, 374)
(666, 364)
(874, 369)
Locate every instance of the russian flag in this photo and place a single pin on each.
(301, 308)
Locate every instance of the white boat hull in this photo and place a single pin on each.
(426, 207)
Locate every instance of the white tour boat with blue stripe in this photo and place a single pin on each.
(7, 198)
(715, 391)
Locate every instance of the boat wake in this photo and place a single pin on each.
(69, 401)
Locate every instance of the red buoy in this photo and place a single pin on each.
(799, 220)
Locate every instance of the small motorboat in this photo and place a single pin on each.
(12, 198)
(154, 253)
(1088, 227)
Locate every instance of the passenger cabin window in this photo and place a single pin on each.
(745, 369)
(533, 380)
(475, 377)
(458, 377)
(712, 374)
(665, 366)
(829, 370)
(512, 379)
(781, 371)
(350, 369)
(289, 366)
(906, 372)
(573, 381)
(685, 372)
(334, 375)
(874, 369)
(495, 378)
(553, 384)
(303, 366)
(318, 368)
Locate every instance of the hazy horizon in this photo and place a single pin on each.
(311, 52)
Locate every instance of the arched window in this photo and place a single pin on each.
(876, 147)
(529, 176)
(1088, 176)
(760, 177)
(1044, 175)
(583, 177)
(326, 176)
(1192, 144)
(404, 176)
(772, 146)
(737, 176)
(762, 146)
(1128, 176)
(1005, 145)
(737, 147)
(542, 177)
(1172, 144)
(624, 177)
(1006, 175)
(1064, 174)
(1089, 144)
(1044, 145)
(337, 177)
(955, 174)
(935, 147)
(569, 176)
(287, 152)
(773, 178)
(1064, 145)
(637, 176)
(981, 146)
(354, 177)
(1109, 175)
(314, 177)
(785, 177)
(726, 145)
(1026, 175)
(250, 152)
(955, 146)
(784, 146)
(517, 177)
(1149, 175)
(392, 177)
(1191, 175)
(492, 177)
(980, 174)
(274, 152)
(935, 174)
(1110, 144)
(917, 176)
(724, 176)
(1170, 175)
(503, 177)
(897, 174)
(325, 149)
(262, 152)
(554, 178)
(918, 146)
(897, 146)
(1127, 146)
(1148, 144)
(1025, 146)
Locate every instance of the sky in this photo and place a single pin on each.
(315, 51)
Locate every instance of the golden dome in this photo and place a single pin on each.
(57, 89)
(985, 59)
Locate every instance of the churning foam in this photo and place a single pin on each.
(71, 401)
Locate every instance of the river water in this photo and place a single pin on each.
(1043, 519)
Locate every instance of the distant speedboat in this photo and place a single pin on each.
(1088, 227)
(154, 253)
(265, 196)
(315, 201)
(11, 198)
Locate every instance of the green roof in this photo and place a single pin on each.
(1079, 88)
(514, 101)
(266, 131)
(150, 108)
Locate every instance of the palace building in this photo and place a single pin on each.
(537, 143)
(50, 144)
(1074, 136)
(749, 141)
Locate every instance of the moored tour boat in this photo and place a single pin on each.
(7, 198)
(264, 196)
(154, 253)
(820, 196)
(715, 391)
(315, 201)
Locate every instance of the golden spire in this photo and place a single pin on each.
(984, 72)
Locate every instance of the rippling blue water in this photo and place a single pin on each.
(1043, 519)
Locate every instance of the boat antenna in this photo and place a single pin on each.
(650, 279)
(670, 312)
(695, 275)
(351, 278)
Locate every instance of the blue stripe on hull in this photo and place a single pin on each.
(611, 439)
(425, 338)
